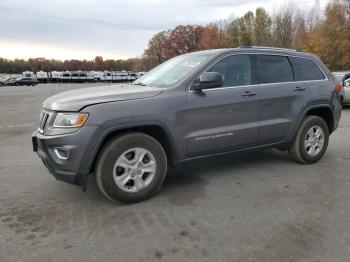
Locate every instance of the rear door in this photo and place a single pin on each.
(281, 98)
(225, 118)
(306, 70)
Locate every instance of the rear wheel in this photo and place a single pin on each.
(311, 140)
(131, 168)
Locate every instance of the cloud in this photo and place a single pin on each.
(120, 27)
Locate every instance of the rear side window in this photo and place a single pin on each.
(235, 70)
(306, 69)
(273, 69)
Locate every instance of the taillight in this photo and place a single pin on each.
(339, 87)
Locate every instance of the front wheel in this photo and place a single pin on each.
(131, 168)
(311, 141)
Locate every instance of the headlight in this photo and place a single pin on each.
(64, 120)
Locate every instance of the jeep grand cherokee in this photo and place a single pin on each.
(194, 105)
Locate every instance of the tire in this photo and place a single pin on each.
(300, 151)
(109, 173)
(342, 101)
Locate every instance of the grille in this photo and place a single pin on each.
(42, 122)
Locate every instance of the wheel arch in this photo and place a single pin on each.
(324, 112)
(157, 130)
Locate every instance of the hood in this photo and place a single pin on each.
(75, 100)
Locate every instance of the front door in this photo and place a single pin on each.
(225, 118)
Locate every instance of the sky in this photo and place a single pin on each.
(114, 29)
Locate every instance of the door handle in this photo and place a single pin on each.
(248, 94)
(298, 89)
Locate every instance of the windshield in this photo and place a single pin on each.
(173, 71)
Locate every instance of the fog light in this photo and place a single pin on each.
(62, 152)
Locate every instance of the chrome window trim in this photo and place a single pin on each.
(279, 83)
(252, 85)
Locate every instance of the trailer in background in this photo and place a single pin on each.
(66, 77)
(82, 76)
(131, 77)
(43, 77)
(28, 74)
(107, 76)
(97, 75)
(55, 77)
(124, 76)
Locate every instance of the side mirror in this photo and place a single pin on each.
(208, 80)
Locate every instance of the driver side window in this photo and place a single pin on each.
(234, 69)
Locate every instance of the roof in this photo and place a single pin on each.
(254, 49)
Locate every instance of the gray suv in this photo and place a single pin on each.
(194, 105)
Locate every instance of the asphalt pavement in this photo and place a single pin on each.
(253, 206)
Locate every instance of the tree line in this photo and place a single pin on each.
(325, 33)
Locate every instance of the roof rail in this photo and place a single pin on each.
(269, 47)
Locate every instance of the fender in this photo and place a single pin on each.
(302, 117)
(109, 130)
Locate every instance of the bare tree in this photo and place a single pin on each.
(283, 26)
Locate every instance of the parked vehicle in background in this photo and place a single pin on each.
(131, 77)
(23, 81)
(346, 92)
(7, 79)
(78, 77)
(107, 76)
(82, 76)
(42, 77)
(90, 76)
(124, 76)
(194, 105)
(66, 77)
(344, 82)
(55, 76)
(97, 75)
(12, 81)
(118, 77)
(28, 74)
(3, 79)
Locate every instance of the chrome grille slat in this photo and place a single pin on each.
(42, 122)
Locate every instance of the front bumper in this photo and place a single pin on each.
(71, 167)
